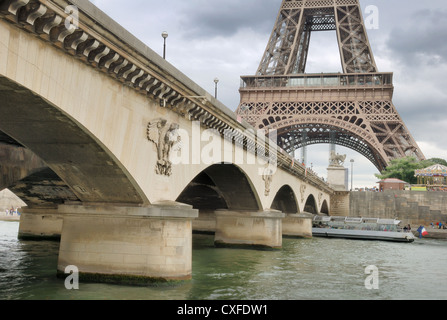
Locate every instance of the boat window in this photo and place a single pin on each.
(353, 220)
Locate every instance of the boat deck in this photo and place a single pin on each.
(363, 234)
(360, 228)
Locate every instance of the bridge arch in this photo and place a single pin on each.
(285, 200)
(311, 205)
(72, 153)
(213, 189)
(325, 208)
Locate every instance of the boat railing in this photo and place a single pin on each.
(388, 221)
(356, 220)
(322, 218)
(353, 220)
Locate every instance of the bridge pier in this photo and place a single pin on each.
(249, 229)
(297, 225)
(132, 245)
(205, 223)
(40, 224)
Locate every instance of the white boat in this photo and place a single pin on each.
(360, 228)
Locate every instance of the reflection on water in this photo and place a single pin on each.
(304, 269)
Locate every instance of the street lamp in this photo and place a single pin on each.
(352, 173)
(164, 34)
(216, 81)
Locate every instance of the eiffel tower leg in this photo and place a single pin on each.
(394, 136)
(355, 50)
(285, 38)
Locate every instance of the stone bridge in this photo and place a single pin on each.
(122, 156)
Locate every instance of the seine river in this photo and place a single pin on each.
(305, 269)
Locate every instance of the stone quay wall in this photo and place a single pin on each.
(411, 207)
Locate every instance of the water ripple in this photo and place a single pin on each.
(315, 268)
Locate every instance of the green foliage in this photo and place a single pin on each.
(437, 161)
(404, 168)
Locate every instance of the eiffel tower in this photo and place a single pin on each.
(352, 109)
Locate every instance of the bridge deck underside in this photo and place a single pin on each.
(73, 157)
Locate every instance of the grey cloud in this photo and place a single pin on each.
(422, 39)
(224, 18)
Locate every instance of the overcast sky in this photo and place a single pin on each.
(226, 39)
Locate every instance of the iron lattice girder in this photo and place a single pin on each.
(353, 41)
(294, 137)
(287, 49)
(357, 105)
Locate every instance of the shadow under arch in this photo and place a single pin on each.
(311, 205)
(72, 153)
(285, 200)
(324, 208)
(221, 186)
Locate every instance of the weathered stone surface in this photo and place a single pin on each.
(411, 207)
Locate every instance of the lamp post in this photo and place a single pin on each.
(164, 34)
(216, 81)
(352, 174)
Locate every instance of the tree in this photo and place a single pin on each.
(403, 169)
(437, 161)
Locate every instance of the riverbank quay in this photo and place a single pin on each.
(415, 208)
(10, 218)
(433, 233)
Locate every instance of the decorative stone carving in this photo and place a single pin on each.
(302, 192)
(166, 138)
(336, 160)
(267, 176)
(320, 197)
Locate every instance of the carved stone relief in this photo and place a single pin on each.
(166, 138)
(302, 192)
(320, 197)
(267, 176)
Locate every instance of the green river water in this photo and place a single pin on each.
(315, 269)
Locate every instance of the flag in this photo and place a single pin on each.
(422, 231)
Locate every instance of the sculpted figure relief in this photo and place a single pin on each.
(165, 139)
(303, 191)
(267, 176)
